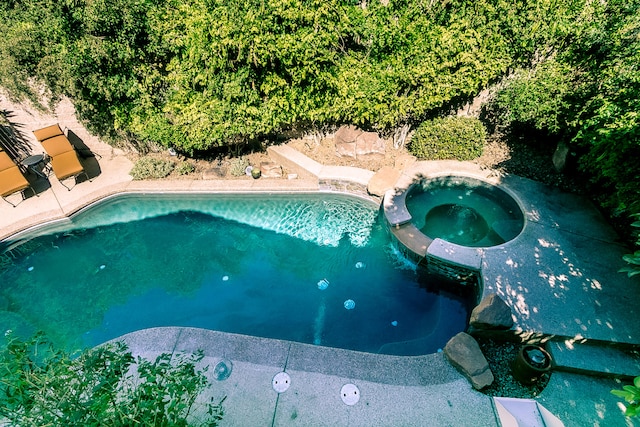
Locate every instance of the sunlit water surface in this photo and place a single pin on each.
(316, 269)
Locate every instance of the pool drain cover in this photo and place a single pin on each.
(281, 382)
(350, 394)
(222, 370)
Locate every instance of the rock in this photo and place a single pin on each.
(463, 352)
(369, 143)
(270, 170)
(404, 161)
(353, 142)
(347, 134)
(491, 313)
(346, 149)
(345, 141)
(559, 158)
(385, 179)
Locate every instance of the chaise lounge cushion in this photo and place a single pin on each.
(5, 161)
(12, 181)
(66, 165)
(57, 145)
(48, 132)
(11, 178)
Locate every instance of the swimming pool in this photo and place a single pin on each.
(312, 268)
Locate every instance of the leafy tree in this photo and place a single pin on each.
(42, 385)
(29, 49)
(608, 124)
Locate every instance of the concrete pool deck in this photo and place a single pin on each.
(559, 277)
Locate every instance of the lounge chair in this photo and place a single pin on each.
(11, 178)
(63, 157)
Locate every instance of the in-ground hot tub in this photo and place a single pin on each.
(445, 221)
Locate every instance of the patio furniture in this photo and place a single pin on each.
(35, 164)
(63, 157)
(11, 178)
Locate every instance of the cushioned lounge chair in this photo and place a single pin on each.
(64, 159)
(11, 178)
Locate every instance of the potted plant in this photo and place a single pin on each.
(531, 363)
(255, 173)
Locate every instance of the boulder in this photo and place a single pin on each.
(463, 352)
(346, 149)
(353, 142)
(347, 134)
(491, 313)
(383, 180)
(559, 158)
(404, 161)
(270, 170)
(369, 143)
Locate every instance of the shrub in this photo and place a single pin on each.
(150, 167)
(238, 166)
(631, 395)
(185, 168)
(457, 138)
(105, 386)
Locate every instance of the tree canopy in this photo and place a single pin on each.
(197, 74)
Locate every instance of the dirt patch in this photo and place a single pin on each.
(324, 152)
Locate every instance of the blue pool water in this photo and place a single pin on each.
(465, 211)
(317, 269)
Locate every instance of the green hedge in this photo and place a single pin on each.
(455, 138)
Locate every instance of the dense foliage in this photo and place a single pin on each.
(197, 74)
(633, 260)
(201, 74)
(457, 138)
(42, 385)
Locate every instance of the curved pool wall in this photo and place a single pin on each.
(225, 206)
(437, 256)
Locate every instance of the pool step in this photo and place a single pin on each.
(595, 358)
